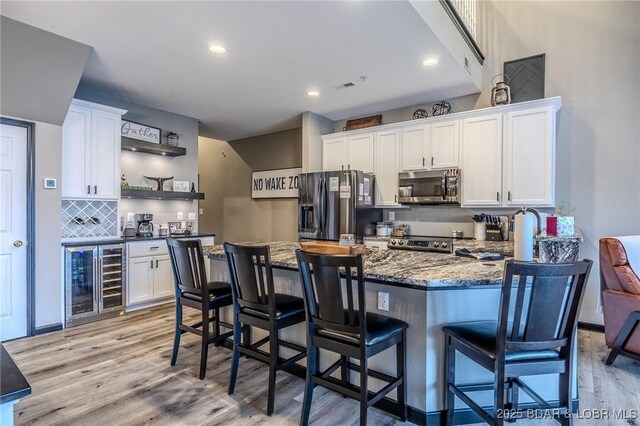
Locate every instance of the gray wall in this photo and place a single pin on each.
(225, 177)
(593, 62)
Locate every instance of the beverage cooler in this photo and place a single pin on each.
(94, 282)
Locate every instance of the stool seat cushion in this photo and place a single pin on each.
(216, 290)
(482, 336)
(379, 328)
(286, 306)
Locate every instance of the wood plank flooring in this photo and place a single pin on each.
(117, 372)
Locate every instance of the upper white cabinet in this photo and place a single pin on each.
(334, 153)
(91, 151)
(529, 160)
(414, 150)
(360, 152)
(387, 166)
(445, 144)
(482, 161)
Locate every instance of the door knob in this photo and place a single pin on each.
(17, 243)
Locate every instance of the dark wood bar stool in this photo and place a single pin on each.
(534, 335)
(348, 330)
(255, 303)
(193, 290)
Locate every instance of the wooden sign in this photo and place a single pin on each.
(279, 183)
(142, 132)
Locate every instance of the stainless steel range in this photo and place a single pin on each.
(420, 243)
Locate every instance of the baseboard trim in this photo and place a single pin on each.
(47, 329)
(591, 327)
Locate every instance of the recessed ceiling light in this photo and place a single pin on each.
(217, 49)
(313, 93)
(430, 62)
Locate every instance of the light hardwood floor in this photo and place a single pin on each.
(117, 372)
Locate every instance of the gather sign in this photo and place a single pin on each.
(280, 183)
(133, 130)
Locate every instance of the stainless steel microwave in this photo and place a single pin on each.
(429, 187)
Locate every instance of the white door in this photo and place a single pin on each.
(445, 144)
(361, 155)
(76, 154)
(13, 232)
(414, 148)
(529, 158)
(106, 142)
(333, 154)
(140, 279)
(162, 277)
(482, 161)
(387, 164)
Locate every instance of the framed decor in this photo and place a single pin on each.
(181, 186)
(142, 132)
(279, 183)
(526, 78)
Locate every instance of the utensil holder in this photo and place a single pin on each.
(480, 231)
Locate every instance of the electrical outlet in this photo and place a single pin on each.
(383, 301)
(201, 211)
(599, 309)
(180, 216)
(392, 215)
(192, 216)
(129, 217)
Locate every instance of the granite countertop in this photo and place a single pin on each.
(13, 385)
(89, 242)
(427, 271)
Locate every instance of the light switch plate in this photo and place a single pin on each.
(49, 183)
(392, 215)
(383, 301)
(180, 216)
(129, 216)
(200, 210)
(192, 216)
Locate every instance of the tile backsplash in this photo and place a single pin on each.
(89, 218)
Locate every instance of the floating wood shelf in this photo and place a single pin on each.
(149, 194)
(129, 144)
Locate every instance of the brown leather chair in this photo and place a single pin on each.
(620, 299)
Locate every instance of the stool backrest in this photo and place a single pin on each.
(187, 263)
(251, 276)
(543, 312)
(322, 291)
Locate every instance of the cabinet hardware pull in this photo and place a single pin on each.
(432, 161)
(154, 248)
(422, 161)
(95, 189)
(342, 167)
(152, 264)
(156, 263)
(395, 198)
(89, 189)
(497, 196)
(509, 195)
(348, 166)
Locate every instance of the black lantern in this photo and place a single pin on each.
(500, 92)
(172, 139)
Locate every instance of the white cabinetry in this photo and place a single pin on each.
(334, 153)
(482, 161)
(529, 158)
(445, 144)
(91, 151)
(387, 165)
(414, 148)
(360, 152)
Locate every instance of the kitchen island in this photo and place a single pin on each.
(426, 290)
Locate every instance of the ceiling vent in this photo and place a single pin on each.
(360, 80)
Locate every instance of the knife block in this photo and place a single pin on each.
(493, 233)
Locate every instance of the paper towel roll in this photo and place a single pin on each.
(523, 237)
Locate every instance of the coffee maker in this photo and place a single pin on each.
(144, 224)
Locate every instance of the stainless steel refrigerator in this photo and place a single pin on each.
(334, 203)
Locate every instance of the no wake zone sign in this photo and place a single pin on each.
(280, 183)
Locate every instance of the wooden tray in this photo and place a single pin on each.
(330, 247)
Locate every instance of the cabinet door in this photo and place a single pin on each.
(360, 153)
(162, 277)
(105, 136)
(76, 153)
(387, 163)
(529, 158)
(334, 152)
(445, 144)
(140, 280)
(413, 154)
(482, 161)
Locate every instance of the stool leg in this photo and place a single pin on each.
(498, 400)
(312, 369)
(246, 337)
(273, 362)
(401, 362)
(344, 371)
(364, 395)
(236, 355)
(204, 350)
(564, 396)
(178, 333)
(450, 371)
(216, 325)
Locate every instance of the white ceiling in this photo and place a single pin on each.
(156, 54)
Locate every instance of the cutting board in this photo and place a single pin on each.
(331, 247)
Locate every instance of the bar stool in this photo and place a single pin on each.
(534, 335)
(350, 332)
(256, 303)
(193, 290)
